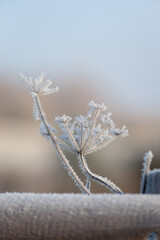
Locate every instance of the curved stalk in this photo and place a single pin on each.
(104, 181)
(60, 153)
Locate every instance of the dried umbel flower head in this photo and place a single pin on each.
(82, 136)
(92, 132)
(38, 86)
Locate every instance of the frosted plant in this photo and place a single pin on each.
(84, 135)
(39, 87)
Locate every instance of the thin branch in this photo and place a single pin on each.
(71, 137)
(96, 138)
(88, 183)
(96, 148)
(65, 145)
(81, 135)
(104, 181)
(58, 149)
(84, 138)
(93, 124)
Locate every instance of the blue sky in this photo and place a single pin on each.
(116, 41)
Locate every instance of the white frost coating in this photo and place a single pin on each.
(94, 177)
(87, 133)
(38, 86)
(146, 168)
(94, 106)
(62, 119)
(44, 130)
(82, 136)
(147, 158)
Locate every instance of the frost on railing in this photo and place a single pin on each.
(82, 136)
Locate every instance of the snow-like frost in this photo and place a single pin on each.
(87, 132)
(83, 135)
(146, 168)
(94, 106)
(62, 119)
(44, 131)
(38, 86)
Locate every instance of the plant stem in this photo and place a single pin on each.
(65, 145)
(94, 140)
(57, 147)
(71, 136)
(88, 183)
(93, 124)
(104, 181)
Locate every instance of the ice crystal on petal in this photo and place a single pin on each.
(38, 86)
(86, 134)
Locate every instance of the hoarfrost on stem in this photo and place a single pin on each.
(83, 135)
(145, 170)
(38, 87)
(87, 134)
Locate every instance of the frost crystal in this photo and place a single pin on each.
(38, 86)
(82, 136)
(85, 135)
(146, 168)
(62, 119)
(44, 131)
(94, 105)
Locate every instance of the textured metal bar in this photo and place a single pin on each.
(77, 216)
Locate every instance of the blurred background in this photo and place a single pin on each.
(107, 51)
